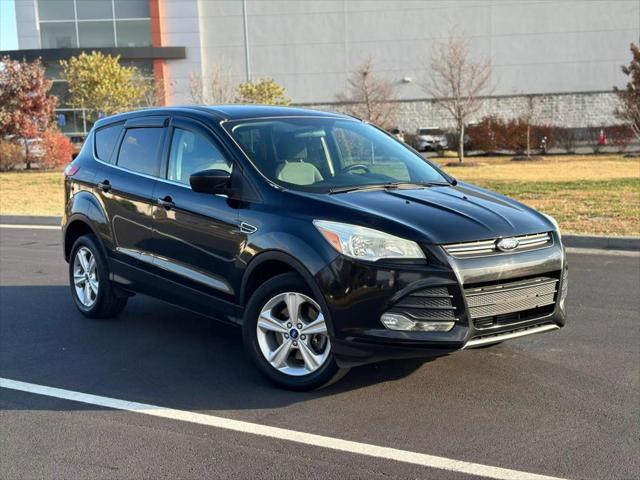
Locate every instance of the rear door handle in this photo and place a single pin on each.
(105, 186)
(166, 202)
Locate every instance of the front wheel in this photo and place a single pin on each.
(285, 333)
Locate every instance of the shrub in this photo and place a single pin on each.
(619, 136)
(483, 134)
(493, 134)
(11, 155)
(540, 132)
(593, 137)
(567, 138)
(57, 149)
(266, 91)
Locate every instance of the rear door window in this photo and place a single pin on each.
(140, 150)
(106, 139)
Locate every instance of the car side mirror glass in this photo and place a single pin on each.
(211, 181)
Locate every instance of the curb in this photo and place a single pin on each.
(604, 243)
(30, 220)
(573, 241)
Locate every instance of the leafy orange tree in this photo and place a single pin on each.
(26, 108)
(57, 149)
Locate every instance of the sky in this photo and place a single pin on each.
(8, 33)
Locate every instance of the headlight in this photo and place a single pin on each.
(365, 243)
(555, 223)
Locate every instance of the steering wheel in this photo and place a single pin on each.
(356, 166)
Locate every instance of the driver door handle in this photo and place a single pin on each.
(166, 202)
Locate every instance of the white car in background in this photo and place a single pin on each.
(430, 139)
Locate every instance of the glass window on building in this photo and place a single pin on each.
(134, 33)
(58, 35)
(145, 66)
(131, 8)
(71, 121)
(52, 70)
(56, 10)
(60, 89)
(96, 34)
(94, 9)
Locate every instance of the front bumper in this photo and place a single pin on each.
(358, 293)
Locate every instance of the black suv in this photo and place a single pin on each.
(328, 241)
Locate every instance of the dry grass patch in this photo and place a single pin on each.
(31, 193)
(553, 169)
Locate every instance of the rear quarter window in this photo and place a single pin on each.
(106, 139)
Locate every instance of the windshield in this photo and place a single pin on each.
(327, 154)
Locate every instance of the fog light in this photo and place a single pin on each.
(395, 321)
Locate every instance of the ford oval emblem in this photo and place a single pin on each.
(507, 244)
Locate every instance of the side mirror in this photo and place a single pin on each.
(211, 181)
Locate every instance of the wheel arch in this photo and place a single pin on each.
(85, 215)
(271, 263)
(77, 226)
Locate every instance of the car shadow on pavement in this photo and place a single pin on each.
(152, 353)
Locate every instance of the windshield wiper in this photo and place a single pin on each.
(386, 186)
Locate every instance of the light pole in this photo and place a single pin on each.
(245, 25)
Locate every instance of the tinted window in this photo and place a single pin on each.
(106, 139)
(58, 35)
(96, 34)
(190, 153)
(132, 8)
(140, 150)
(58, 10)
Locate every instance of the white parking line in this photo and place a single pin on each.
(31, 227)
(394, 454)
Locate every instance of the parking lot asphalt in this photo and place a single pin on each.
(563, 404)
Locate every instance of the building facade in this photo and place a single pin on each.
(567, 53)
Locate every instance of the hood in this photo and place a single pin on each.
(447, 214)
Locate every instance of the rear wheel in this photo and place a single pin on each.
(92, 292)
(285, 333)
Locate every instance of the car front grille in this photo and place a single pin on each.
(507, 303)
(427, 304)
(489, 247)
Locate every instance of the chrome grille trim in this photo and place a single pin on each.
(506, 298)
(500, 337)
(488, 247)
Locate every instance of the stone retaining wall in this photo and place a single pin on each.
(573, 110)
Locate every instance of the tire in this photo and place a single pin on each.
(306, 362)
(99, 299)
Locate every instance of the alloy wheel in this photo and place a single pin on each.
(85, 277)
(292, 334)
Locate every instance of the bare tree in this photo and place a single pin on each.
(215, 87)
(455, 81)
(629, 109)
(154, 91)
(370, 97)
(529, 117)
